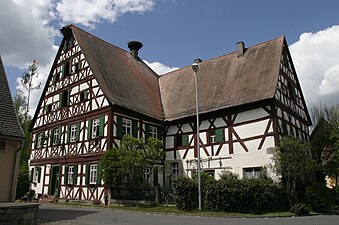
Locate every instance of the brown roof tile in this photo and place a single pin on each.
(9, 125)
(225, 81)
(125, 80)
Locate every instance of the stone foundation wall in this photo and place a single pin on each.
(19, 213)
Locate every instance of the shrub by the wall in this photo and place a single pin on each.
(319, 197)
(185, 193)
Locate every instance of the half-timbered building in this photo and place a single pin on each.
(96, 93)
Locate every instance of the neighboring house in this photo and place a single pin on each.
(11, 141)
(97, 92)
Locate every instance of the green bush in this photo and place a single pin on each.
(300, 209)
(319, 197)
(335, 194)
(231, 194)
(185, 193)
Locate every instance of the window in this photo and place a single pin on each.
(251, 173)
(153, 131)
(35, 174)
(126, 127)
(84, 96)
(64, 99)
(56, 77)
(216, 136)
(70, 175)
(77, 67)
(175, 170)
(95, 127)
(291, 91)
(48, 108)
(182, 140)
(73, 136)
(55, 136)
(39, 140)
(2, 145)
(66, 69)
(212, 136)
(147, 175)
(93, 173)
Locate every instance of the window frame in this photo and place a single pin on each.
(55, 139)
(147, 175)
(93, 173)
(175, 169)
(95, 128)
(153, 131)
(126, 127)
(255, 172)
(70, 175)
(39, 140)
(180, 139)
(73, 133)
(212, 138)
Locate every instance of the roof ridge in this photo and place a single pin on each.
(227, 54)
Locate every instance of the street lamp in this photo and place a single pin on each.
(195, 67)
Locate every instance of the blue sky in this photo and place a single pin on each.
(175, 32)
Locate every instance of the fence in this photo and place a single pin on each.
(166, 194)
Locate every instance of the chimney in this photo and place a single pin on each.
(134, 47)
(241, 48)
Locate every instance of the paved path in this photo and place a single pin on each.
(69, 215)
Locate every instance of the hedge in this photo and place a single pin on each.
(231, 194)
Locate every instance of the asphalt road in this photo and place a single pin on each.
(69, 215)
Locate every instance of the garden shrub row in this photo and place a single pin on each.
(231, 194)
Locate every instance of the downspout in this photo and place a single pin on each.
(16, 171)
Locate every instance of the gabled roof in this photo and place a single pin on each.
(126, 81)
(9, 124)
(224, 82)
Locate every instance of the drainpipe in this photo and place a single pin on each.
(16, 171)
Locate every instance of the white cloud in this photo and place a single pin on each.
(99, 10)
(27, 31)
(23, 35)
(316, 59)
(160, 68)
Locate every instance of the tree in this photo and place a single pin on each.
(27, 81)
(295, 164)
(125, 165)
(20, 105)
(325, 141)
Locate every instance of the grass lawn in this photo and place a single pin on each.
(173, 210)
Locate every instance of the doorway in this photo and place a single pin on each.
(55, 181)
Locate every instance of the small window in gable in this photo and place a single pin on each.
(77, 67)
(56, 77)
(291, 91)
(64, 99)
(66, 71)
(48, 108)
(84, 96)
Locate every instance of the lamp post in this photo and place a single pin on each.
(195, 67)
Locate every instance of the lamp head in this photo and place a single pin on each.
(195, 67)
